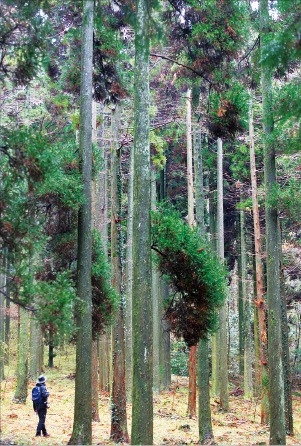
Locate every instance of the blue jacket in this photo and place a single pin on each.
(44, 395)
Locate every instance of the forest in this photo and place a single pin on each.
(150, 208)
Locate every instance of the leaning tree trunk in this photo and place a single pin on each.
(118, 397)
(191, 409)
(22, 370)
(276, 383)
(82, 424)
(142, 409)
(260, 310)
(223, 347)
(204, 415)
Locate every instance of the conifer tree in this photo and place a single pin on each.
(82, 425)
(142, 411)
(276, 383)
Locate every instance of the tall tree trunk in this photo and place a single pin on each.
(95, 411)
(118, 396)
(51, 346)
(214, 342)
(204, 414)
(2, 313)
(155, 296)
(129, 277)
(7, 312)
(22, 370)
(276, 383)
(104, 362)
(2, 321)
(165, 364)
(95, 224)
(260, 301)
(223, 347)
(240, 313)
(289, 425)
(101, 222)
(247, 334)
(205, 423)
(164, 326)
(82, 424)
(36, 348)
(142, 409)
(191, 409)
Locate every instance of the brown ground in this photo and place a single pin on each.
(240, 426)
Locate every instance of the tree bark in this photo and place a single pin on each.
(155, 297)
(165, 364)
(82, 425)
(2, 314)
(223, 347)
(22, 370)
(276, 383)
(204, 412)
(289, 424)
(36, 348)
(129, 277)
(95, 386)
(142, 409)
(247, 334)
(118, 397)
(214, 342)
(205, 423)
(191, 409)
(240, 311)
(260, 301)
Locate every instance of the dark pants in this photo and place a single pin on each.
(42, 417)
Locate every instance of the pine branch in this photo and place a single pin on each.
(198, 73)
(17, 302)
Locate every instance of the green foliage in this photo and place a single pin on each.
(289, 194)
(287, 112)
(284, 47)
(179, 358)
(158, 144)
(194, 272)
(23, 30)
(54, 301)
(105, 299)
(228, 111)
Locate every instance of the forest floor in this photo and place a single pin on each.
(239, 426)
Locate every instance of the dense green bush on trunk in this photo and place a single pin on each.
(194, 272)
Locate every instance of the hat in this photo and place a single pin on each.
(41, 379)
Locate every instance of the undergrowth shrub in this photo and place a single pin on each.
(179, 358)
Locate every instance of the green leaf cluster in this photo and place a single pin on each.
(54, 301)
(194, 273)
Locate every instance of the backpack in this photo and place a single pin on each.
(36, 396)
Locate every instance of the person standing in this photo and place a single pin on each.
(39, 398)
